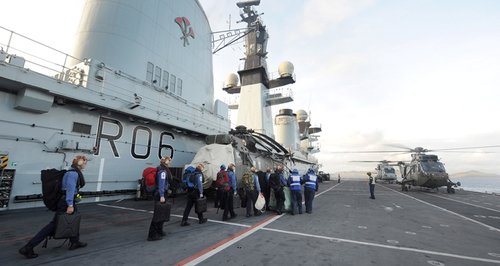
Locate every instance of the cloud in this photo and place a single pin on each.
(319, 15)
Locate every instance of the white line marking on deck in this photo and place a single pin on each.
(197, 258)
(423, 251)
(220, 246)
(99, 178)
(331, 239)
(435, 263)
(446, 210)
(175, 215)
(475, 205)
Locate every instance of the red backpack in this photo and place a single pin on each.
(149, 175)
(222, 180)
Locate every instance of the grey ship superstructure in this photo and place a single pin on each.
(137, 86)
(254, 142)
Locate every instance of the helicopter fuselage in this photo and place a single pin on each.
(385, 173)
(425, 171)
(246, 150)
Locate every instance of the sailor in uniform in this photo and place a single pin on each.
(72, 181)
(310, 188)
(371, 182)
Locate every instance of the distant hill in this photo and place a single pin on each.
(472, 174)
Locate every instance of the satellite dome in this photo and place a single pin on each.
(301, 115)
(285, 69)
(231, 81)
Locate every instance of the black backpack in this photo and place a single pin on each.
(51, 187)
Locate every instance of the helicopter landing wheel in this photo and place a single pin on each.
(452, 190)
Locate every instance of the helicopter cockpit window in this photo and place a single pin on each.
(433, 166)
(390, 170)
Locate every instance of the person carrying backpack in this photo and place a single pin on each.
(194, 191)
(159, 194)
(221, 184)
(72, 181)
(251, 186)
(228, 195)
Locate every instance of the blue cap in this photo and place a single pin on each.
(222, 166)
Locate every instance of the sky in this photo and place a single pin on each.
(371, 73)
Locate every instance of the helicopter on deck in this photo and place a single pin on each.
(385, 170)
(425, 170)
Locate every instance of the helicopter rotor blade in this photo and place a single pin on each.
(368, 151)
(416, 150)
(399, 146)
(383, 161)
(467, 148)
(465, 151)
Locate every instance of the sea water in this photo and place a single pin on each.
(479, 184)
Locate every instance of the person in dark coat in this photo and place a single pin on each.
(277, 182)
(266, 188)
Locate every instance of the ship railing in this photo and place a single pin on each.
(22, 51)
(279, 92)
(54, 64)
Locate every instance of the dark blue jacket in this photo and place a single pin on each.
(295, 181)
(69, 184)
(162, 181)
(311, 180)
(232, 177)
